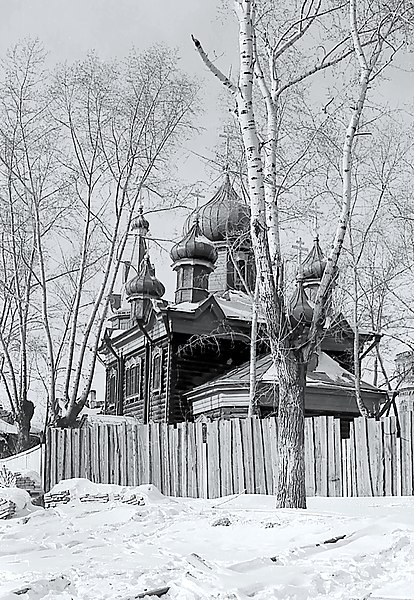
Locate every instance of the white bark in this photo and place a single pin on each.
(252, 409)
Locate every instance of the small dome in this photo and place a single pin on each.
(145, 283)
(140, 223)
(300, 311)
(314, 264)
(225, 214)
(194, 245)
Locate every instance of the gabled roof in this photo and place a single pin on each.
(236, 305)
(328, 374)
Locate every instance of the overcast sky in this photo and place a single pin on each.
(70, 28)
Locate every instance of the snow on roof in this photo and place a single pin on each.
(236, 305)
(7, 428)
(327, 373)
(107, 420)
(186, 306)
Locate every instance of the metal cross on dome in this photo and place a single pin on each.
(316, 213)
(227, 135)
(300, 247)
(197, 195)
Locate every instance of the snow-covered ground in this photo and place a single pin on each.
(207, 548)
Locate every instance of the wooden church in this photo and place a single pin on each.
(169, 361)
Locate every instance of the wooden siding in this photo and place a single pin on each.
(197, 363)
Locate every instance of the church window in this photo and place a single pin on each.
(111, 389)
(157, 371)
(133, 377)
(180, 278)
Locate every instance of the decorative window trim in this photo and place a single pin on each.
(133, 379)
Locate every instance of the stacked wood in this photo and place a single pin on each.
(103, 498)
(7, 508)
(27, 483)
(134, 499)
(53, 499)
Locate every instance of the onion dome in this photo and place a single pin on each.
(145, 283)
(140, 223)
(194, 245)
(300, 311)
(314, 264)
(225, 214)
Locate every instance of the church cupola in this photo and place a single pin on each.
(225, 221)
(139, 224)
(312, 269)
(225, 215)
(142, 289)
(300, 311)
(193, 260)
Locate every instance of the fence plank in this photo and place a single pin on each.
(239, 485)
(274, 451)
(191, 462)
(344, 448)
(406, 454)
(213, 464)
(248, 455)
(321, 462)
(309, 459)
(260, 475)
(182, 459)
(337, 481)
(267, 456)
(200, 461)
(226, 457)
(376, 454)
(389, 457)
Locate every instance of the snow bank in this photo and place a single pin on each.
(79, 488)
(340, 548)
(20, 498)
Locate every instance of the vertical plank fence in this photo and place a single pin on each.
(236, 456)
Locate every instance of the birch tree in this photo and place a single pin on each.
(295, 330)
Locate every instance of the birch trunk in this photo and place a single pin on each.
(291, 491)
(291, 486)
(253, 409)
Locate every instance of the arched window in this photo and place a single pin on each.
(133, 379)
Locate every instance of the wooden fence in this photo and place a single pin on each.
(236, 456)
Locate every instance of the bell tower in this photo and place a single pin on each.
(193, 261)
(144, 287)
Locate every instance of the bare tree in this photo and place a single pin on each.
(295, 329)
(30, 197)
(122, 123)
(77, 148)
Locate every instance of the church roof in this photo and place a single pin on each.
(140, 223)
(314, 264)
(300, 311)
(328, 373)
(225, 214)
(194, 245)
(145, 283)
